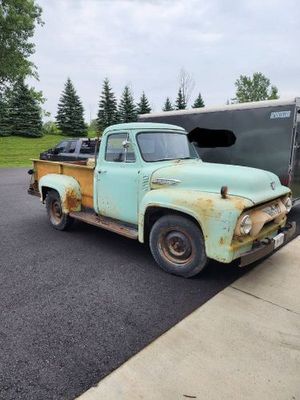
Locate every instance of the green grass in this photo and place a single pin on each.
(17, 151)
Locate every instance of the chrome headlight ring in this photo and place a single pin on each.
(288, 204)
(245, 225)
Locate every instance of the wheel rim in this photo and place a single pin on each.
(176, 246)
(56, 212)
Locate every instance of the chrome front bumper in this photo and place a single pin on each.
(265, 247)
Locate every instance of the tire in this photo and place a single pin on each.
(57, 218)
(177, 245)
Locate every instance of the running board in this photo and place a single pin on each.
(106, 223)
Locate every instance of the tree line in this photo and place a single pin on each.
(21, 106)
(21, 110)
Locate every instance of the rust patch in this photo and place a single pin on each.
(238, 203)
(221, 241)
(71, 202)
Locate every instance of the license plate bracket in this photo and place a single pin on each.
(278, 240)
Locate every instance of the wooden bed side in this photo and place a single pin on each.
(82, 173)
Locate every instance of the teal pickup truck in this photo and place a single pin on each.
(148, 183)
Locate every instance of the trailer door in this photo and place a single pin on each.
(295, 184)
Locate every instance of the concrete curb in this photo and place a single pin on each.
(242, 344)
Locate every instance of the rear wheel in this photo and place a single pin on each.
(57, 218)
(177, 245)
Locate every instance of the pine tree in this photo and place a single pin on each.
(25, 112)
(107, 114)
(143, 107)
(5, 118)
(180, 103)
(198, 102)
(69, 116)
(168, 105)
(127, 109)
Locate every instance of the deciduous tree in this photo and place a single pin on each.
(18, 19)
(186, 84)
(256, 88)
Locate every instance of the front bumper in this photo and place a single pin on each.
(263, 248)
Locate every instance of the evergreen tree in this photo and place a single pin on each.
(143, 107)
(69, 116)
(25, 112)
(198, 102)
(168, 105)
(127, 109)
(107, 114)
(5, 119)
(180, 103)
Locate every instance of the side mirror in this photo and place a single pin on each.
(126, 144)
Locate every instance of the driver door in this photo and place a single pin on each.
(117, 180)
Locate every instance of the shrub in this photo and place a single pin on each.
(50, 128)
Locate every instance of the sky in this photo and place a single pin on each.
(144, 44)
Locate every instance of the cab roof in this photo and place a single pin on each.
(142, 126)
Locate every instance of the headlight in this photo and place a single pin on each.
(245, 225)
(288, 204)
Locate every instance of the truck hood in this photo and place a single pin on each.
(253, 184)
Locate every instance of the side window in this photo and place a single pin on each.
(115, 150)
(61, 147)
(88, 147)
(72, 146)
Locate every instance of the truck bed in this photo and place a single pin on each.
(82, 173)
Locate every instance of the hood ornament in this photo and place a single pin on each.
(273, 186)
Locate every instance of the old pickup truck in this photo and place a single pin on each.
(149, 184)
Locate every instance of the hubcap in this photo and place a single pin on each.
(56, 211)
(176, 246)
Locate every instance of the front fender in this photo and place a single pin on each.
(66, 186)
(216, 216)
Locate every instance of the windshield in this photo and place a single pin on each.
(160, 146)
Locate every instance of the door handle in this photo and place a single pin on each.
(102, 171)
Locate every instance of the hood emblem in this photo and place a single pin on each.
(165, 181)
(273, 185)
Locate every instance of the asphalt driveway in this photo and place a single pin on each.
(75, 305)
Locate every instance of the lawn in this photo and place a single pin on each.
(17, 151)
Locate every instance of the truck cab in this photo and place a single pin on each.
(148, 183)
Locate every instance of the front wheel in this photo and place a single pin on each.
(57, 218)
(177, 245)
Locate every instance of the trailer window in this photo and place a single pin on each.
(207, 138)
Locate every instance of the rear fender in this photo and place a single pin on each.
(66, 186)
